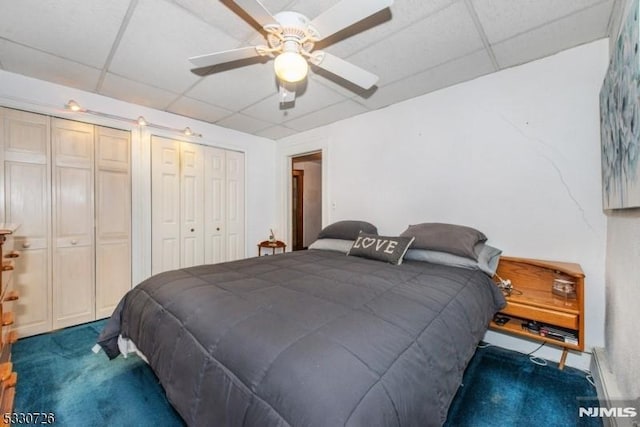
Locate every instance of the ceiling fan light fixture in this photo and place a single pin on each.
(291, 67)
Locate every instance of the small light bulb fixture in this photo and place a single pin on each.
(73, 106)
(187, 131)
(291, 66)
(142, 122)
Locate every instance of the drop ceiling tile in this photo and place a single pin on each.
(330, 114)
(310, 9)
(311, 97)
(276, 132)
(33, 63)
(158, 42)
(445, 35)
(502, 19)
(198, 110)
(81, 30)
(244, 123)
(137, 93)
(399, 16)
(237, 88)
(589, 25)
(453, 72)
(220, 16)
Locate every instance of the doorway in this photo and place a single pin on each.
(306, 197)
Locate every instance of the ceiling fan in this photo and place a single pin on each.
(291, 38)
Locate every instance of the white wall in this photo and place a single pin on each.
(30, 94)
(623, 282)
(515, 154)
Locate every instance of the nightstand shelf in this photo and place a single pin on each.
(533, 300)
(8, 378)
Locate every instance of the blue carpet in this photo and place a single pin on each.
(58, 373)
(503, 387)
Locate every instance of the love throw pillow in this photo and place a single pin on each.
(381, 248)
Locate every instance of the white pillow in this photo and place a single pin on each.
(488, 258)
(337, 245)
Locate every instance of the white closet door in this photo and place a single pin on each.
(73, 223)
(113, 218)
(24, 147)
(235, 205)
(215, 248)
(191, 205)
(165, 204)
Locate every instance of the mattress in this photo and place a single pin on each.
(308, 338)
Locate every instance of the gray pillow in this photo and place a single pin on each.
(450, 238)
(488, 258)
(381, 248)
(346, 230)
(337, 245)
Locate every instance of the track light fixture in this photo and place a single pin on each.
(72, 105)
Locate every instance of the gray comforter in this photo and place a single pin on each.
(310, 338)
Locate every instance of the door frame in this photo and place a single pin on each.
(298, 235)
(285, 155)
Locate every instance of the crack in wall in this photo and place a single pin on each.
(555, 167)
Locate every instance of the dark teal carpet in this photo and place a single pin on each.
(59, 373)
(503, 387)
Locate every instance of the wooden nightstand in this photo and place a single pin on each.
(273, 245)
(533, 300)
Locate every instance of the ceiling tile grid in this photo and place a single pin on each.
(138, 50)
(79, 30)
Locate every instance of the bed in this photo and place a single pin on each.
(309, 338)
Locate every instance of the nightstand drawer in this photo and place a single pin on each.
(551, 317)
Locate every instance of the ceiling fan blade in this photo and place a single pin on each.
(257, 11)
(346, 13)
(287, 92)
(344, 69)
(218, 58)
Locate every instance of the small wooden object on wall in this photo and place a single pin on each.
(8, 378)
(535, 311)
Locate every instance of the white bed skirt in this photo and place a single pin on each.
(126, 347)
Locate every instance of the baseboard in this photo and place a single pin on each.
(606, 387)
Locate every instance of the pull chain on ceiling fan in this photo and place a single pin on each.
(291, 38)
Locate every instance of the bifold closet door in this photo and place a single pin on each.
(165, 204)
(177, 205)
(24, 147)
(197, 202)
(191, 205)
(223, 205)
(73, 223)
(113, 218)
(234, 203)
(215, 193)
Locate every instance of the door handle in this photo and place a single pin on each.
(26, 245)
(74, 242)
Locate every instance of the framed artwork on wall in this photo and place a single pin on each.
(620, 119)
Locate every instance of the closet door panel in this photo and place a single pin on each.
(214, 205)
(235, 205)
(191, 204)
(113, 218)
(24, 149)
(31, 280)
(73, 299)
(165, 204)
(73, 224)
